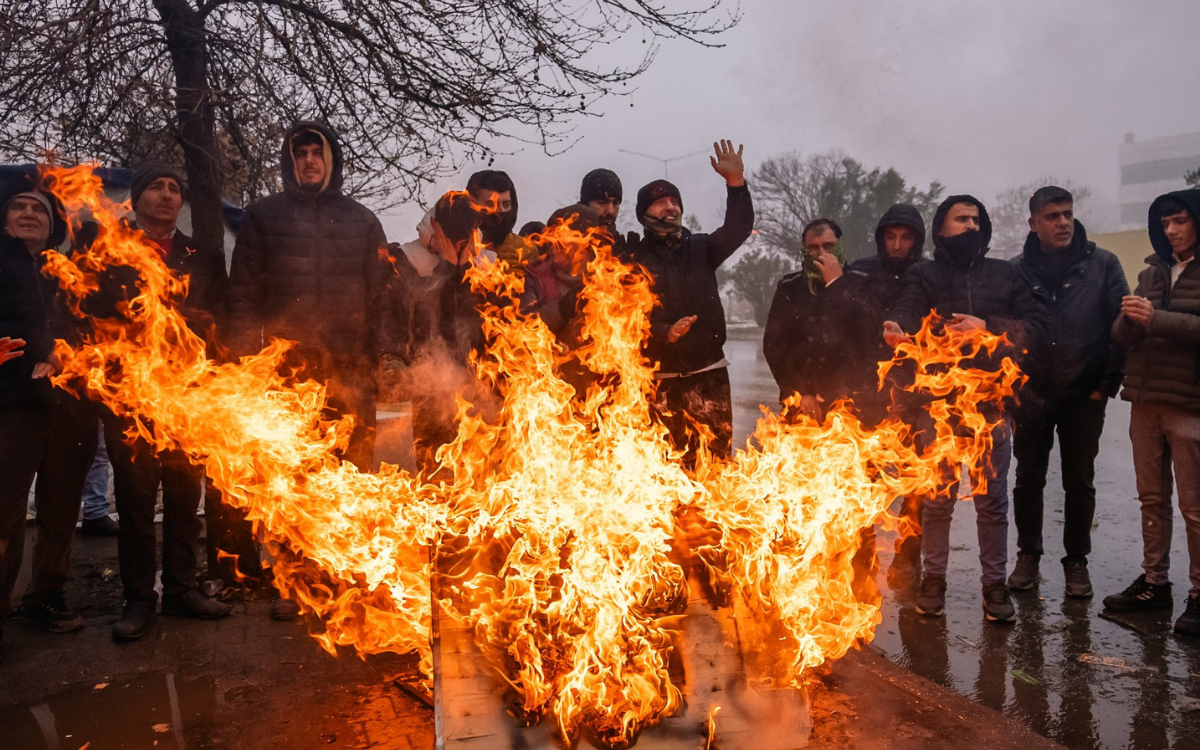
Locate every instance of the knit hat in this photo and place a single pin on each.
(147, 173)
(599, 185)
(652, 192)
(39, 197)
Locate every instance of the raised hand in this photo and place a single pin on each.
(728, 163)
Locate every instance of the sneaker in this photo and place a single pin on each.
(1140, 595)
(194, 604)
(136, 620)
(284, 610)
(1079, 583)
(53, 615)
(1189, 622)
(102, 526)
(931, 602)
(997, 604)
(1025, 575)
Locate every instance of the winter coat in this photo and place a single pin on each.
(307, 266)
(1163, 363)
(684, 276)
(29, 310)
(1077, 357)
(207, 286)
(986, 288)
(818, 344)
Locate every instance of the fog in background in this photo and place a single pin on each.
(981, 96)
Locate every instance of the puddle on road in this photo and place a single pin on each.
(153, 711)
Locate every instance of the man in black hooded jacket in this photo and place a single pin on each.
(971, 291)
(873, 284)
(687, 326)
(1073, 372)
(307, 267)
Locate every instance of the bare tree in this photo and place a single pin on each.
(755, 275)
(412, 85)
(1010, 214)
(791, 190)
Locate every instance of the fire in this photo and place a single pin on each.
(562, 529)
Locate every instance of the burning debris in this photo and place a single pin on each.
(562, 533)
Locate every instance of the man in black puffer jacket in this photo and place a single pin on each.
(1160, 324)
(307, 267)
(972, 292)
(43, 430)
(687, 326)
(1073, 371)
(873, 284)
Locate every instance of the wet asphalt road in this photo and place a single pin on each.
(1146, 696)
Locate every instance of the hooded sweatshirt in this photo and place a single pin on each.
(307, 266)
(1163, 364)
(962, 279)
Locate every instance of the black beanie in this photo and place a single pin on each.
(599, 185)
(147, 173)
(652, 192)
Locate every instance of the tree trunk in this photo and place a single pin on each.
(187, 43)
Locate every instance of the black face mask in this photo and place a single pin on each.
(965, 247)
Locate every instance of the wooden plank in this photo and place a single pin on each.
(471, 713)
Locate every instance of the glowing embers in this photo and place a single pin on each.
(564, 528)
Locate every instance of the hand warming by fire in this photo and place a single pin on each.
(561, 526)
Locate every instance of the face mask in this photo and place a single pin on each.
(966, 246)
(815, 279)
(665, 228)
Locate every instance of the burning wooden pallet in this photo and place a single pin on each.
(725, 706)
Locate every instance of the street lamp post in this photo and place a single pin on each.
(665, 162)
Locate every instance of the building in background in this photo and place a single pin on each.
(1151, 168)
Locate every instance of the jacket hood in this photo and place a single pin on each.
(1158, 236)
(495, 227)
(1033, 246)
(334, 161)
(900, 215)
(939, 218)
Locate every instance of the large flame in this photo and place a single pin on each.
(563, 528)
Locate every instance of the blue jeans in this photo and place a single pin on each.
(95, 489)
(991, 517)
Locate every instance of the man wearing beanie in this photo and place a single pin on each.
(970, 291)
(687, 326)
(156, 195)
(43, 430)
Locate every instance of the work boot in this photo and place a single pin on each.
(1141, 595)
(284, 610)
(1189, 622)
(931, 602)
(53, 615)
(997, 605)
(194, 604)
(1079, 583)
(1026, 574)
(136, 620)
(102, 526)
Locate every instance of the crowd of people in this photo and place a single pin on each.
(399, 321)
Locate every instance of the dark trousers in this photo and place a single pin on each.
(137, 472)
(1079, 423)
(57, 444)
(685, 405)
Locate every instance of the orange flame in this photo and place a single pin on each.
(553, 528)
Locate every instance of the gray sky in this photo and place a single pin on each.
(979, 95)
